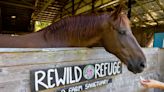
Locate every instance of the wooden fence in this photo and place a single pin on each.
(16, 64)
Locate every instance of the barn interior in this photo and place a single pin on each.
(22, 16)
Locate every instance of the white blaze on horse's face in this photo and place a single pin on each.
(125, 46)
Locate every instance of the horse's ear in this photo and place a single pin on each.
(118, 11)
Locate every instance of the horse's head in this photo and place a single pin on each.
(123, 44)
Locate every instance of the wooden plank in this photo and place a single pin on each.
(44, 56)
(15, 67)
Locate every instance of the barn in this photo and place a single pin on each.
(77, 68)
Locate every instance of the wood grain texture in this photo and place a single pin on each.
(16, 64)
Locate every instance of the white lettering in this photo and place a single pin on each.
(105, 68)
(114, 70)
(49, 78)
(76, 70)
(68, 79)
(60, 80)
(71, 79)
(118, 67)
(97, 68)
(75, 89)
(62, 90)
(74, 74)
(95, 84)
(102, 70)
(39, 81)
(110, 69)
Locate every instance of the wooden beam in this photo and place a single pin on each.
(159, 4)
(134, 12)
(18, 5)
(68, 12)
(25, 1)
(143, 7)
(90, 5)
(109, 3)
(139, 17)
(36, 2)
(79, 4)
(99, 6)
(43, 8)
(113, 7)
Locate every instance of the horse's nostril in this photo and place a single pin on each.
(142, 65)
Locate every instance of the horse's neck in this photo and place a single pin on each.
(33, 40)
(71, 39)
(64, 37)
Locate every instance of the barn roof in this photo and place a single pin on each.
(144, 12)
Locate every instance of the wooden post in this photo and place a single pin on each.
(73, 7)
(32, 26)
(61, 15)
(129, 8)
(0, 20)
(93, 5)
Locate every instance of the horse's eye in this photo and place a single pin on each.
(122, 32)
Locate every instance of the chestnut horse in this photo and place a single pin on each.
(112, 30)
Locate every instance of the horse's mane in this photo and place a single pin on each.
(83, 25)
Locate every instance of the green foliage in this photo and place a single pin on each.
(40, 25)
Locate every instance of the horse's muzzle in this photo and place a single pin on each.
(136, 67)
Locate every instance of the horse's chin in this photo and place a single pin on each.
(135, 71)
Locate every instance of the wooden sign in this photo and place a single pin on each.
(85, 86)
(54, 77)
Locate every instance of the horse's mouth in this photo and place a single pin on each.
(134, 70)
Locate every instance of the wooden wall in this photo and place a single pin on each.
(16, 64)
